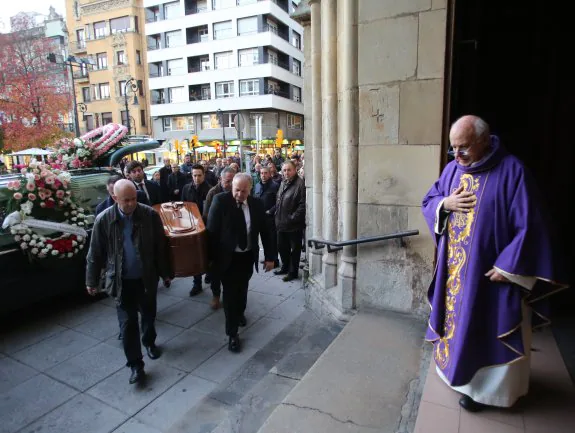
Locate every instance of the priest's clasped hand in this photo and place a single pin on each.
(460, 201)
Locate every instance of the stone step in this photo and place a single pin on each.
(242, 403)
(370, 379)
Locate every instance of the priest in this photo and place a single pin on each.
(496, 265)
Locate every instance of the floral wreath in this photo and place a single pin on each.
(84, 151)
(42, 201)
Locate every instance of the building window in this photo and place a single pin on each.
(294, 122)
(171, 10)
(141, 87)
(210, 121)
(173, 39)
(177, 94)
(249, 56)
(89, 119)
(223, 60)
(121, 57)
(272, 26)
(225, 90)
(206, 93)
(175, 67)
(247, 26)
(296, 67)
(223, 30)
(204, 64)
(100, 29)
(102, 60)
(104, 89)
(223, 4)
(182, 123)
(138, 57)
(296, 94)
(249, 87)
(273, 57)
(229, 120)
(86, 94)
(143, 117)
(80, 38)
(122, 87)
(167, 123)
(203, 34)
(106, 118)
(120, 24)
(136, 24)
(296, 39)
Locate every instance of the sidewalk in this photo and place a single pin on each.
(64, 372)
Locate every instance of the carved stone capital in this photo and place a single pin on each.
(103, 6)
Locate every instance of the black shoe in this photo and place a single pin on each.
(208, 279)
(234, 344)
(470, 405)
(281, 272)
(289, 277)
(196, 290)
(243, 322)
(276, 264)
(154, 351)
(138, 374)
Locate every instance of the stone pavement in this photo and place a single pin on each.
(63, 371)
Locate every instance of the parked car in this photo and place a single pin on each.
(23, 282)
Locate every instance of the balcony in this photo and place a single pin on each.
(200, 92)
(152, 14)
(197, 34)
(195, 7)
(81, 76)
(78, 46)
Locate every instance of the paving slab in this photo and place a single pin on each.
(135, 426)
(191, 348)
(179, 399)
(360, 383)
(71, 317)
(130, 399)
(205, 417)
(90, 367)
(13, 373)
(81, 414)
(185, 313)
(56, 349)
(30, 400)
(101, 326)
(14, 340)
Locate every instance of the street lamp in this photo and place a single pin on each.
(221, 115)
(132, 84)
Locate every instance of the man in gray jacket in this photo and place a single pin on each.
(129, 243)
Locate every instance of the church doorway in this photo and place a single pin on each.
(508, 63)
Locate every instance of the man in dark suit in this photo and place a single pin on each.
(109, 202)
(267, 190)
(165, 172)
(234, 222)
(153, 192)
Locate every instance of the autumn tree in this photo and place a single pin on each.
(34, 93)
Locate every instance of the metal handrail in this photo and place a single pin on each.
(332, 246)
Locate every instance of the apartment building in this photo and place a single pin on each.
(224, 61)
(111, 34)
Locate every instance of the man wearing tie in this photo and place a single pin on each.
(153, 192)
(234, 222)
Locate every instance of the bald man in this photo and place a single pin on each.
(128, 241)
(235, 222)
(495, 266)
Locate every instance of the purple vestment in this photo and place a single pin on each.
(476, 323)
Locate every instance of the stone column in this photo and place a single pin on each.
(348, 142)
(329, 134)
(316, 126)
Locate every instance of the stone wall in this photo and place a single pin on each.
(401, 67)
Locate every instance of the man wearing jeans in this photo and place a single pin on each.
(128, 241)
(289, 214)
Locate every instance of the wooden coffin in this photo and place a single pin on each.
(187, 237)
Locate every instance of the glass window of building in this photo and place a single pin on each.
(229, 120)
(171, 10)
(121, 57)
(120, 24)
(223, 30)
(247, 26)
(296, 94)
(248, 56)
(296, 39)
(296, 67)
(223, 4)
(223, 60)
(225, 89)
(106, 118)
(249, 87)
(100, 30)
(102, 60)
(86, 94)
(122, 87)
(294, 121)
(143, 117)
(175, 67)
(167, 123)
(173, 39)
(104, 90)
(138, 57)
(177, 94)
(80, 38)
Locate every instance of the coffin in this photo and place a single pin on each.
(187, 237)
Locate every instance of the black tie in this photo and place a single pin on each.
(141, 186)
(242, 229)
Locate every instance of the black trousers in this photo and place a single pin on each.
(215, 285)
(289, 245)
(273, 237)
(235, 282)
(134, 300)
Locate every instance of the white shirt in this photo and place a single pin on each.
(246, 210)
(143, 188)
